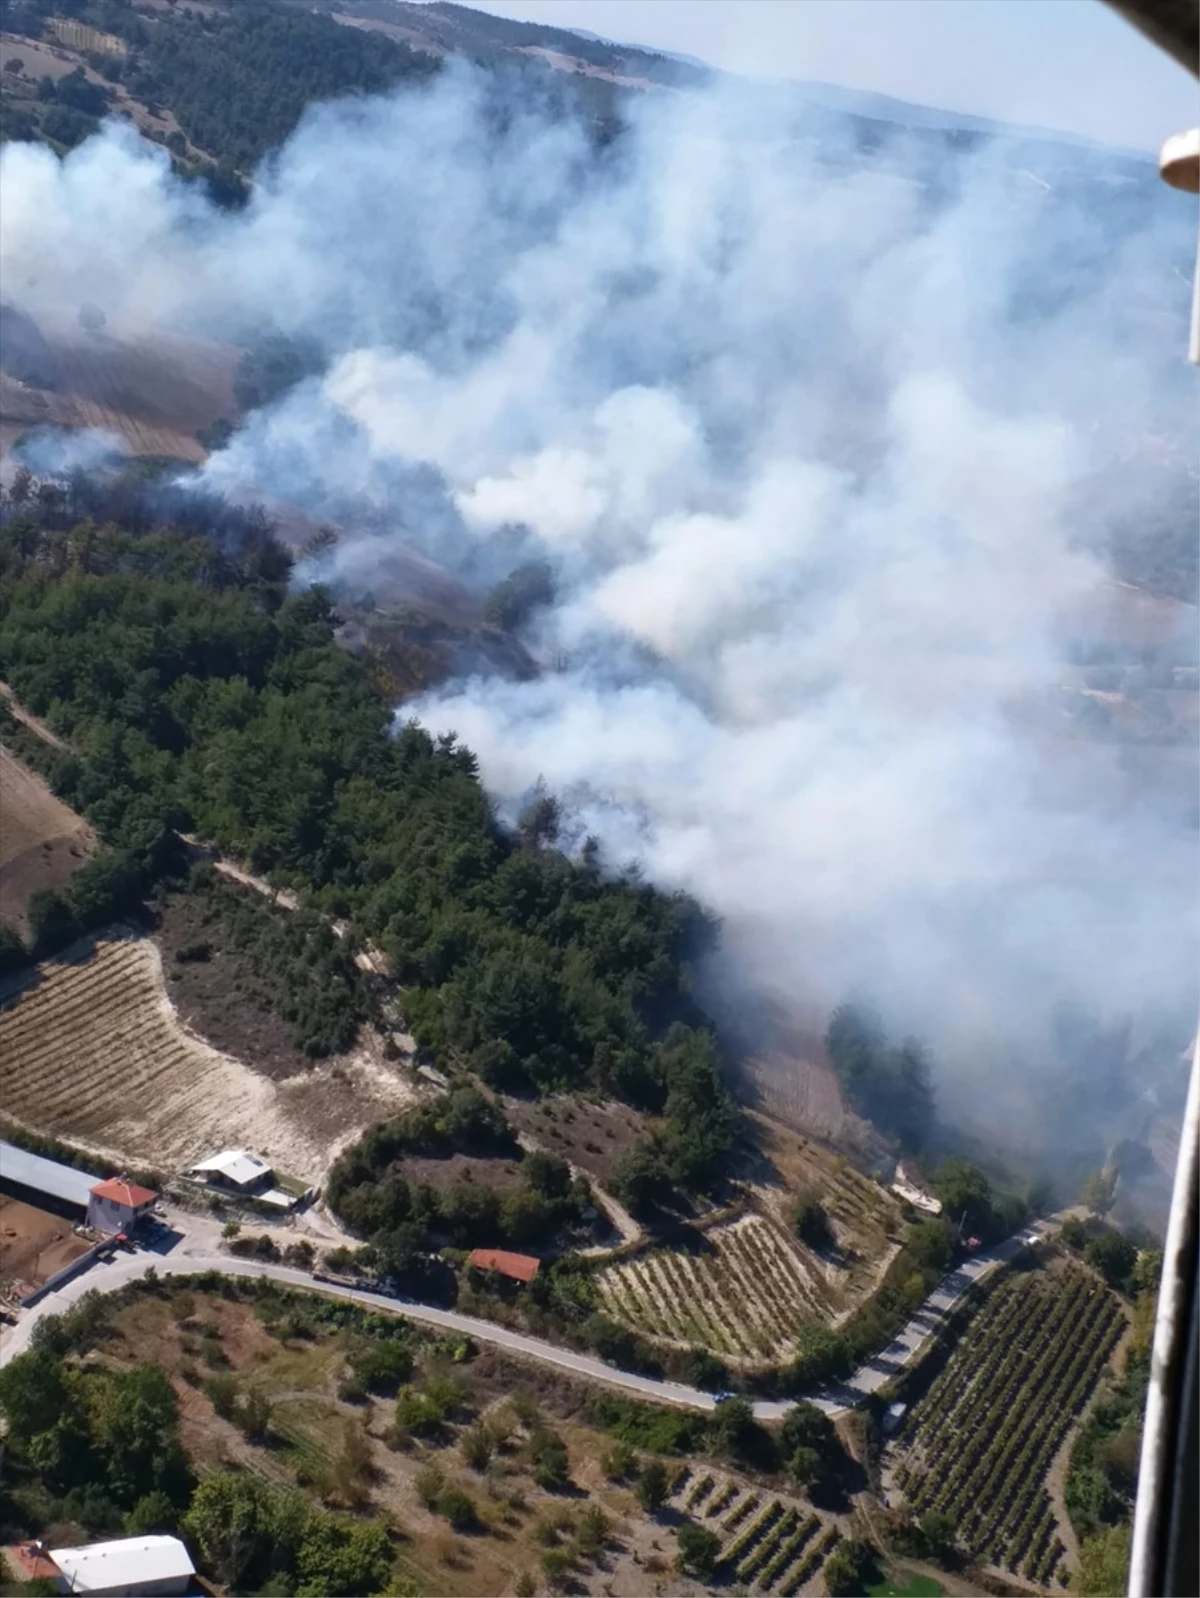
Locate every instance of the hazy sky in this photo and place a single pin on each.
(1068, 64)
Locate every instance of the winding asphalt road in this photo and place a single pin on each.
(107, 1278)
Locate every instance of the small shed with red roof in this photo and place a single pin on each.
(118, 1205)
(31, 1561)
(519, 1267)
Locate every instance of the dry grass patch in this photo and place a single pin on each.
(42, 841)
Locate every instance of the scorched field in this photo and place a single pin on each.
(979, 1444)
(744, 1292)
(94, 1050)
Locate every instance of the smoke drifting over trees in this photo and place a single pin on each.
(820, 449)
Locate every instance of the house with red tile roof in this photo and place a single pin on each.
(518, 1267)
(117, 1205)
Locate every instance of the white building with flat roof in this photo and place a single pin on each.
(234, 1168)
(132, 1565)
(244, 1175)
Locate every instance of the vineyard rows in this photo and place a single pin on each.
(94, 1050)
(78, 36)
(768, 1545)
(980, 1442)
(746, 1297)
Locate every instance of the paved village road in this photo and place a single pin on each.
(905, 1347)
(107, 1278)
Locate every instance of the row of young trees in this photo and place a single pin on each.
(983, 1436)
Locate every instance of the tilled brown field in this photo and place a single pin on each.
(154, 391)
(93, 1050)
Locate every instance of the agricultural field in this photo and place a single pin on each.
(78, 36)
(153, 392)
(42, 841)
(588, 1135)
(401, 1454)
(95, 1052)
(744, 1291)
(742, 1286)
(769, 1544)
(980, 1443)
(865, 1217)
(786, 1073)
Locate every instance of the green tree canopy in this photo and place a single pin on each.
(652, 1486)
(1104, 1563)
(698, 1550)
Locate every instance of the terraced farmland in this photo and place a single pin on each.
(744, 1294)
(78, 36)
(768, 1544)
(93, 1049)
(980, 1442)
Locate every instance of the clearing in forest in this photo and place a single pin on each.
(978, 1445)
(42, 841)
(93, 1050)
(590, 1136)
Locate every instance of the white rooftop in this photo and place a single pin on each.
(129, 1561)
(238, 1166)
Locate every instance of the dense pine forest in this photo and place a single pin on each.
(198, 694)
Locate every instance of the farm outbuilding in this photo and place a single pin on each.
(127, 1565)
(112, 1205)
(235, 1169)
(243, 1175)
(893, 1416)
(518, 1267)
(66, 1188)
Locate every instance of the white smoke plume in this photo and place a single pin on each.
(811, 441)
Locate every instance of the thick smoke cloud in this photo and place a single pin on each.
(811, 441)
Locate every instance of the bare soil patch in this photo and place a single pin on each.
(34, 1243)
(502, 1176)
(792, 1079)
(588, 1135)
(39, 59)
(42, 841)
